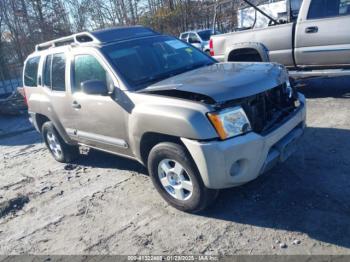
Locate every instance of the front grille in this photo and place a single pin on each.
(266, 110)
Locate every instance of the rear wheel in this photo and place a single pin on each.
(60, 150)
(176, 178)
(245, 55)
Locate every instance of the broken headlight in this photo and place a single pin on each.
(230, 122)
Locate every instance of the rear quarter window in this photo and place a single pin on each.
(31, 71)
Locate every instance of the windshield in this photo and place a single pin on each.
(205, 35)
(142, 62)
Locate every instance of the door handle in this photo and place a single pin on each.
(311, 29)
(76, 105)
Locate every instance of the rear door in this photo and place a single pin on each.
(323, 34)
(54, 87)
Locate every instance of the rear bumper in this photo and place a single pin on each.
(236, 161)
(32, 117)
(220, 58)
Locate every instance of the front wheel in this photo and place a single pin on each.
(60, 150)
(176, 178)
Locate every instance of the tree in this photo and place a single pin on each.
(25, 23)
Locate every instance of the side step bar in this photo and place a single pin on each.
(319, 73)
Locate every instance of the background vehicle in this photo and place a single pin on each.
(197, 125)
(198, 38)
(312, 41)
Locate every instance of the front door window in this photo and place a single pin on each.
(87, 67)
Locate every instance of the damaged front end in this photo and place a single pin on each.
(183, 95)
(267, 110)
(277, 122)
(240, 97)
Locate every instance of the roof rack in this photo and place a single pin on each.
(77, 39)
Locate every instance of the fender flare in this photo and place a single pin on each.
(57, 124)
(185, 122)
(259, 47)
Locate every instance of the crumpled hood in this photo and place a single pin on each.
(225, 81)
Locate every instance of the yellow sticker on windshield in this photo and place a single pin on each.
(189, 50)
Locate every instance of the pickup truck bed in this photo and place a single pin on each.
(317, 42)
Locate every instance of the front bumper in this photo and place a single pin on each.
(233, 162)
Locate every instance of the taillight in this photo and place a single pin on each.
(211, 47)
(25, 97)
(22, 91)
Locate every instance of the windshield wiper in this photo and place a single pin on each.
(198, 65)
(153, 79)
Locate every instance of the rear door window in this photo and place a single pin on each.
(31, 71)
(58, 74)
(184, 37)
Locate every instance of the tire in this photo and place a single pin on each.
(246, 58)
(60, 150)
(184, 189)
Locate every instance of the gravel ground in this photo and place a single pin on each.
(103, 204)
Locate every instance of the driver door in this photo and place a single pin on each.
(99, 119)
(323, 34)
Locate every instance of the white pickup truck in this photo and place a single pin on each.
(313, 40)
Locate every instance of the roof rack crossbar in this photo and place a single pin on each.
(78, 39)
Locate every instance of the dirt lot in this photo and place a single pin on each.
(104, 204)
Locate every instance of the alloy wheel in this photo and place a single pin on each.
(54, 144)
(174, 179)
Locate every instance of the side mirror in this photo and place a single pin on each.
(94, 87)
